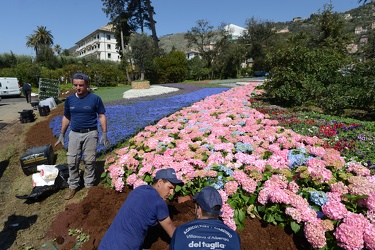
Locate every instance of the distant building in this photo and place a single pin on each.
(348, 17)
(363, 39)
(285, 30)
(297, 19)
(359, 30)
(234, 31)
(192, 53)
(101, 43)
(352, 48)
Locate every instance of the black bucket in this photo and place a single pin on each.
(36, 156)
(44, 110)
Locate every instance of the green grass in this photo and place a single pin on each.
(111, 93)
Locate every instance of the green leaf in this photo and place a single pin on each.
(177, 188)
(295, 226)
(241, 215)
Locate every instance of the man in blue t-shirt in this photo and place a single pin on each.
(82, 112)
(144, 207)
(207, 231)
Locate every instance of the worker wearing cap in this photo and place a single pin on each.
(144, 207)
(207, 231)
(82, 112)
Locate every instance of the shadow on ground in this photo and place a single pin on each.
(14, 224)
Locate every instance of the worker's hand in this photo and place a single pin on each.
(60, 140)
(104, 140)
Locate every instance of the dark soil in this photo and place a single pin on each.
(93, 213)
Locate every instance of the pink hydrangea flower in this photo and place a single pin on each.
(231, 187)
(334, 210)
(315, 233)
(369, 236)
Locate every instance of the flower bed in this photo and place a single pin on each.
(259, 167)
(354, 139)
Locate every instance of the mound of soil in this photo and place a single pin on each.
(93, 211)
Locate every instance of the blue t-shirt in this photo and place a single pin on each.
(143, 208)
(83, 112)
(205, 234)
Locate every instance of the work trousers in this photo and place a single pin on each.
(28, 96)
(82, 143)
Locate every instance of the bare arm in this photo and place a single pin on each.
(168, 226)
(103, 122)
(64, 124)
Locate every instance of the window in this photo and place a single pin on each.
(109, 56)
(108, 37)
(108, 46)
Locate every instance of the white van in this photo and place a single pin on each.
(9, 86)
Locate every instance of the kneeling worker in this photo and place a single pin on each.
(144, 207)
(207, 231)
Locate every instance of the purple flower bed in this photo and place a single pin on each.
(126, 120)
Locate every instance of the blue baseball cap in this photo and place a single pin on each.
(207, 198)
(168, 174)
(81, 76)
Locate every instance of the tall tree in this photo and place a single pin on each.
(256, 39)
(41, 40)
(57, 49)
(151, 12)
(142, 51)
(201, 37)
(44, 36)
(330, 30)
(31, 42)
(138, 14)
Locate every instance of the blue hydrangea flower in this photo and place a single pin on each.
(298, 157)
(205, 129)
(209, 147)
(242, 123)
(244, 147)
(318, 197)
(237, 133)
(219, 184)
(319, 214)
(226, 170)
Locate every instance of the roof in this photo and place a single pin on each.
(234, 30)
(107, 28)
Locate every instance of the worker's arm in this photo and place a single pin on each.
(103, 122)
(168, 226)
(64, 124)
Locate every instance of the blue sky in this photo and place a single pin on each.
(71, 20)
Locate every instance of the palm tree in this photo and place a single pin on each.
(32, 42)
(57, 49)
(40, 39)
